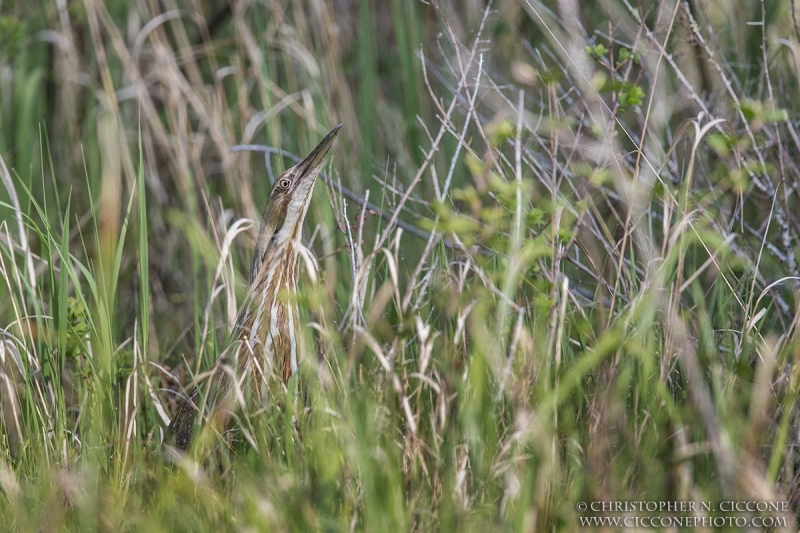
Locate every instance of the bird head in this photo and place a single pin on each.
(288, 202)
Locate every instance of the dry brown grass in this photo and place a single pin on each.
(540, 271)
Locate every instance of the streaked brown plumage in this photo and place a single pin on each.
(263, 341)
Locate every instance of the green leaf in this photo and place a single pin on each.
(630, 96)
(720, 143)
(597, 51)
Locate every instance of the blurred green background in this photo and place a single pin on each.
(592, 296)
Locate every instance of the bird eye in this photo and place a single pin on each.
(284, 183)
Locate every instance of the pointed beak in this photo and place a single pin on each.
(317, 155)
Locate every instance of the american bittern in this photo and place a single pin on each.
(263, 341)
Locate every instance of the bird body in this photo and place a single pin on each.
(263, 343)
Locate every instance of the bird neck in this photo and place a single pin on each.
(268, 323)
